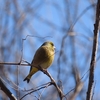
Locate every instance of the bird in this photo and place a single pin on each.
(43, 57)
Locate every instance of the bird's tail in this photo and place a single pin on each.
(32, 71)
(27, 79)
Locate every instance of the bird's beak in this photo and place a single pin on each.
(54, 47)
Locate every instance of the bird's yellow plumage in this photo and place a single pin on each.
(43, 57)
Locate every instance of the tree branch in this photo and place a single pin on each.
(36, 90)
(7, 91)
(61, 95)
(14, 63)
(94, 52)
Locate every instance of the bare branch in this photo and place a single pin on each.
(61, 95)
(45, 72)
(7, 91)
(94, 52)
(79, 84)
(50, 83)
(12, 63)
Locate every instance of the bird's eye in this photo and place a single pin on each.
(52, 44)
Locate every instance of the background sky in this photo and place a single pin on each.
(69, 24)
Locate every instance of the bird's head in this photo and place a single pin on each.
(49, 44)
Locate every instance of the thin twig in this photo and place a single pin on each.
(37, 89)
(14, 63)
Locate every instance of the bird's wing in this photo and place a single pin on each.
(40, 56)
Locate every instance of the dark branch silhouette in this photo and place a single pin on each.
(94, 53)
(7, 91)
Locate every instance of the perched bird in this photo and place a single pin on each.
(43, 57)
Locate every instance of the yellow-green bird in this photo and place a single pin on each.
(43, 57)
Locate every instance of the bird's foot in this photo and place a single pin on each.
(42, 69)
(45, 70)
